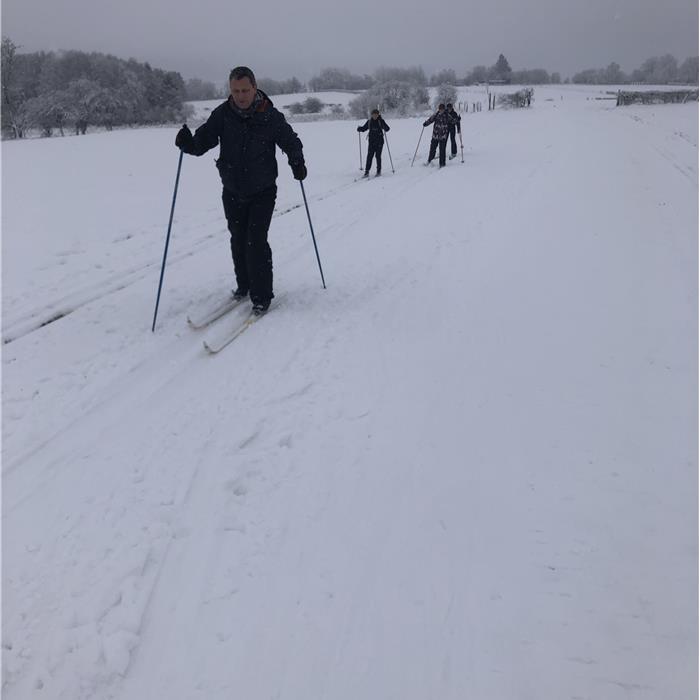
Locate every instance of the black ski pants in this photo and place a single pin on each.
(248, 221)
(453, 140)
(443, 150)
(374, 149)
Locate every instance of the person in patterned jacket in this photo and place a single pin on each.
(377, 126)
(441, 122)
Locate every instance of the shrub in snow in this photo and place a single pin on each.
(445, 94)
(521, 98)
(395, 96)
(311, 105)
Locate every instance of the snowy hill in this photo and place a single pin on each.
(202, 108)
(467, 469)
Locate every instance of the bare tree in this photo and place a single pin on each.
(10, 97)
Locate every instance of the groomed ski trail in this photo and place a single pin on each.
(355, 499)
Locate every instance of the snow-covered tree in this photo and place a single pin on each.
(501, 70)
(447, 76)
(445, 94)
(395, 96)
(11, 97)
(478, 74)
(688, 71)
(613, 75)
(196, 89)
(339, 79)
(48, 111)
(414, 75)
(81, 97)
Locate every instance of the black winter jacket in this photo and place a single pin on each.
(247, 162)
(376, 127)
(456, 121)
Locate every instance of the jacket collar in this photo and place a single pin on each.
(260, 103)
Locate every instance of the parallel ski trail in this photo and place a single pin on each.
(121, 386)
(24, 322)
(490, 383)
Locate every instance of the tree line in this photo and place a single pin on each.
(659, 70)
(654, 71)
(343, 79)
(52, 91)
(74, 90)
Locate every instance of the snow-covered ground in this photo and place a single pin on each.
(467, 469)
(330, 99)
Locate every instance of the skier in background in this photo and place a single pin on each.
(441, 121)
(455, 125)
(377, 126)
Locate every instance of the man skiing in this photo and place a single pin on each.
(247, 127)
(377, 126)
(441, 125)
(455, 125)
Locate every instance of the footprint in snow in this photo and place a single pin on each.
(237, 487)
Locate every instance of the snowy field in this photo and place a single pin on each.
(466, 97)
(467, 469)
(203, 108)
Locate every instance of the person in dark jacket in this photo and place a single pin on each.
(455, 125)
(247, 128)
(377, 126)
(441, 126)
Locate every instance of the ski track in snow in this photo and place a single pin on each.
(25, 321)
(464, 470)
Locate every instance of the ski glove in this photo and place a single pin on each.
(359, 128)
(184, 138)
(298, 170)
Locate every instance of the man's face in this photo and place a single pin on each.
(243, 92)
(375, 116)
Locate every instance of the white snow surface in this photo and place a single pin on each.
(202, 108)
(467, 96)
(466, 469)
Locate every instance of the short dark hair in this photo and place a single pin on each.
(449, 105)
(375, 111)
(241, 72)
(441, 105)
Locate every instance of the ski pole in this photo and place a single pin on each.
(359, 143)
(167, 241)
(389, 152)
(419, 138)
(311, 226)
(461, 145)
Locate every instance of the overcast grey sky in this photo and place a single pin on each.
(278, 39)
